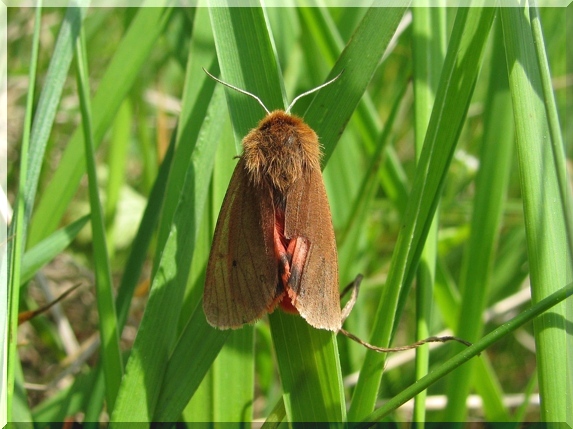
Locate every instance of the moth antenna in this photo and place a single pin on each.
(242, 91)
(312, 90)
(354, 287)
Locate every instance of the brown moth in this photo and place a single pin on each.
(274, 243)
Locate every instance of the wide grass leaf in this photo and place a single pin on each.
(157, 335)
(549, 262)
(459, 75)
(119, 77)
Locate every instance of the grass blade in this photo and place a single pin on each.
(372, 36)
(428, 48)
(18, 229)
(229, 403)
(491, 188)
(120, 75)
(110, 353)
(553, 120)
(323, 30)
(458, 74)
(308, 359)
(195, 99)
(199, 343)
(49, 100)
(556, 298)
(117, 158)
(47, 249)
(156, 340)
(543, 210)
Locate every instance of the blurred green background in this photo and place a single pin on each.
(164, 139)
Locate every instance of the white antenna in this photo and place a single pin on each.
(312, 90)
(242, 91)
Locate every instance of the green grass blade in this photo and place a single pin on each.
(446, 296)
(47, 249)
(92, 399)
(117, 158)
(120, 76)
(312, 395)
(428, 49)
(110, 353)
(553, 120)
(510, 270)
(236, 44)
(20, 411)
(48, 103)
(324, 33)
(520, 413)
(549, 262)
(177, 388)
(234, 402)
(200, 407)
(193, 355)
(135, 262)
(199, 342)
(217, 400)
(68, 401)
(157, 335)
(142, 240)
(276, 416)
(488, 386)
(192, 110)
(459, 74)
(18, 229)
(369, 181)
(556, 298)
(491, 188)
(372, 36)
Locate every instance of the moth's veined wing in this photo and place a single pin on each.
(242, 276)
(308, 215)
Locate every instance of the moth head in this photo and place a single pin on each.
(282, 147)
(280, 150)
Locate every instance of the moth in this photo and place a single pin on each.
(274, 243)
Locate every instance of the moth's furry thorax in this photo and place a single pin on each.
(280, 150)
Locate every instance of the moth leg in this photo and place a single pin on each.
(298, 248)
(283, 257)
(355, 287)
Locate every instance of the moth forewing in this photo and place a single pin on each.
(241, 279)
(308, 215)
